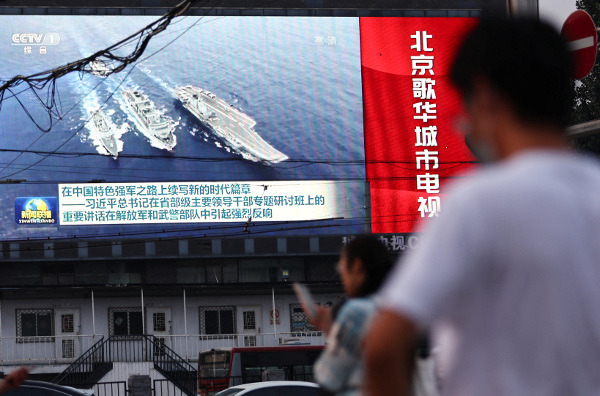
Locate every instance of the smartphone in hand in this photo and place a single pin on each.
(305, 298)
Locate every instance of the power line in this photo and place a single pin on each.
(277, 229)
(112, 63)
(106, 57)
(345, 218)
(309, 161)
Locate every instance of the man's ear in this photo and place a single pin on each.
(358, 266)
(484, 97)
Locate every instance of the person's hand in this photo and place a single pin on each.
(322, 319)
(14, 379)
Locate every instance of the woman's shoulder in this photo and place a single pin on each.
(359, 308)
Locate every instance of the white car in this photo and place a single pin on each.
(40, 388)
(273, 388)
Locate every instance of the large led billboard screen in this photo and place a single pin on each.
(225, 126)
(243, 119)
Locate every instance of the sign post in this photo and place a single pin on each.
(580, 35)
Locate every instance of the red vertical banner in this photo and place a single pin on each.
(410, 112)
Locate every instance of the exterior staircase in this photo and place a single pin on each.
(88, 369)
(98, 361)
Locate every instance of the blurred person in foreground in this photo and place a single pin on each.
(363, 265)
(13, 379)
(508, 274)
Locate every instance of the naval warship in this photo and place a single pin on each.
(104, 132)
(150, 121)
(228, 123)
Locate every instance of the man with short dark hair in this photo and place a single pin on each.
(507, 277)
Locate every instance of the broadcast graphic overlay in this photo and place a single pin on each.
(36, 211)
(266, 110)
(410, 111)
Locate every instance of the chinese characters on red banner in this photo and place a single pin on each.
(410, 107)
(423, 89)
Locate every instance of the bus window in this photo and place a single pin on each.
(219, 369)
(303, 373)
(213, 364)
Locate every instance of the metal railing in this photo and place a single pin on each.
(174, 368)
(49, 350)
(191, 345)
(87, 369)
(67, 349)
(163, 387)
(115, 388)
(99, 359)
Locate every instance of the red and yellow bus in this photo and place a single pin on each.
(221, 368)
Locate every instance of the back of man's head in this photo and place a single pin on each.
(525, 61)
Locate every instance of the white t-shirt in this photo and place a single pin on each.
(512, 268)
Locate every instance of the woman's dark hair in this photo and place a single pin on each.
(375, 259)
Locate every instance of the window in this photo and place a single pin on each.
(191, 274)
(221, 271)
(209, 271)
(35, 325)
(68, 323)
(124, 273)
(68, 349)
(230, 271)
(295, 268)
(213, 272)
(297, 390)
(58, 274)
(159, 346)
(322, 269)
(258, 270)
(249, 341)
(298, 320)
(217, 321)
(249, 320)
(271, 391)
(159, 320)
(125, 321)
(303, 373)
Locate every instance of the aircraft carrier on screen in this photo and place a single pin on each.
(156, 126)
(228, 123)
(104, 132)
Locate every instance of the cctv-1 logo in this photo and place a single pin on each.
(35, 39)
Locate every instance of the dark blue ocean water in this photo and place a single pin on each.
(305, 97)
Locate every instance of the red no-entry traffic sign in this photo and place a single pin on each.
(580, 34)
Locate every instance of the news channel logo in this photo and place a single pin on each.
(35, 39)
(36, 210)
(39, 41)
